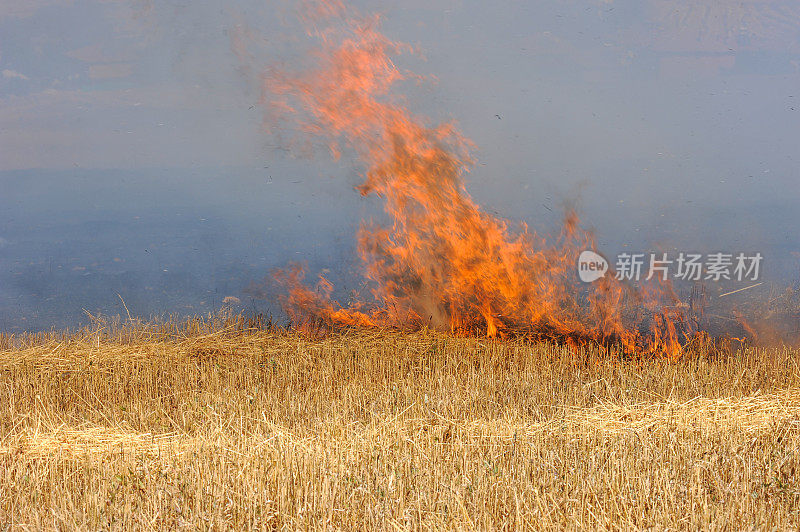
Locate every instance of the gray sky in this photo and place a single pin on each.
(121, 84)
(670, 122)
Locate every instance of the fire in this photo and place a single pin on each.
(443, 262)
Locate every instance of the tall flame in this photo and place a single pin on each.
(443, 262)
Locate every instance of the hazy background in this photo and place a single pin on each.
(135, 158)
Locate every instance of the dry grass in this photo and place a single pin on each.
(165, 427)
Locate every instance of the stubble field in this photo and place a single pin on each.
(213, 425)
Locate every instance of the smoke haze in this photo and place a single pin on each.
(135, 158)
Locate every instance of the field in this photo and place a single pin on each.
(207, 424)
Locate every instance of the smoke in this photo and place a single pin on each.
(552, 96)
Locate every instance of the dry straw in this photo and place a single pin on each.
(225, 423)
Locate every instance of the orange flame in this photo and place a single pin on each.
(444, 262)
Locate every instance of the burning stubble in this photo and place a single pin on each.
(442, 261)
